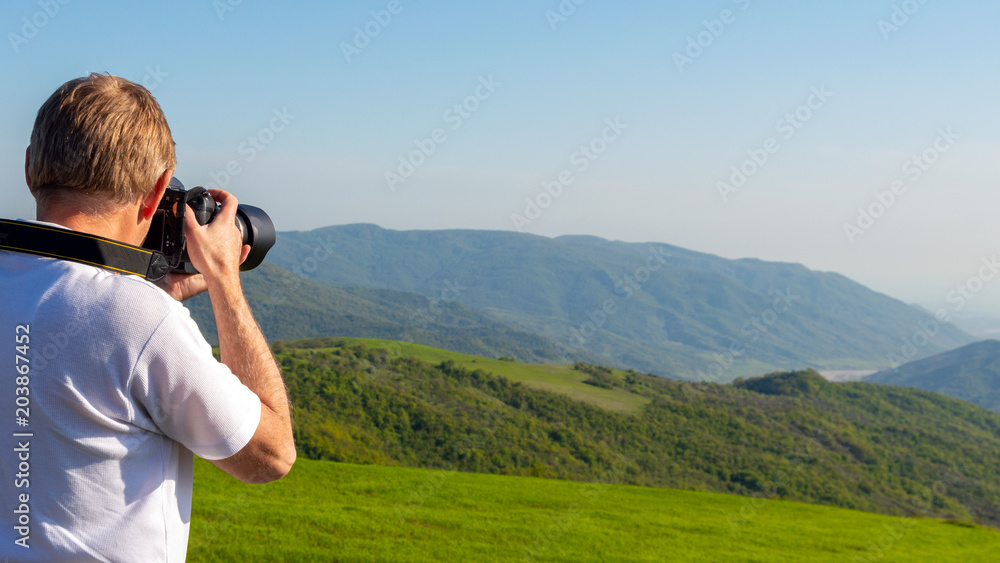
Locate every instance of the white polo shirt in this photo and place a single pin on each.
(120, 388)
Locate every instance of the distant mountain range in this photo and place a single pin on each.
(970, 373)
(653, 307)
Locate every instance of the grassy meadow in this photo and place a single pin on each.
(326, 511)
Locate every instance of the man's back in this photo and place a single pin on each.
(118, 382)
(108, 384)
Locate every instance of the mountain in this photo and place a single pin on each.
(654, 307)
(970, 373)
(878, 448)
(288, 306)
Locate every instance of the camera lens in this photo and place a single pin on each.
(258, 232)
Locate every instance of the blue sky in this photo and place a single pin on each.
(267, 91)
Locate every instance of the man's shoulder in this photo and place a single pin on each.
(124, 296)
(71, 276)
(88, 291)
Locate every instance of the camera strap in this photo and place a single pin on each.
(80, 247)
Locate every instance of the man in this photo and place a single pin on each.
(107, 383)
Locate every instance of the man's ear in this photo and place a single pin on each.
(152, 200)
(27, 161)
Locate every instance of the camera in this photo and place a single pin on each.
(166, 233)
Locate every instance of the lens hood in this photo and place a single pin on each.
(258, 232)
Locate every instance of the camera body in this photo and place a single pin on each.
(166, 233)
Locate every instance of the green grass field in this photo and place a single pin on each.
(547, 377)
(325, 511)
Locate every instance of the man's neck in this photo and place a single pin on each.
(118, 226)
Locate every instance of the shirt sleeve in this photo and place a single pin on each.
(189, 395)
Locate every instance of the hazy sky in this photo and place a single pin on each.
(436, 115)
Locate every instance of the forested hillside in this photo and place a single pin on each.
(288, 306)
(793, 435)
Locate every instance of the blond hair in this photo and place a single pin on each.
(102, 137)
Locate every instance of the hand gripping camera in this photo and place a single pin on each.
(166, 233)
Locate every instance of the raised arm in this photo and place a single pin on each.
(215, 251)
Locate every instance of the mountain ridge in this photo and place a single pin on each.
(652, 306)
(970, 373)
